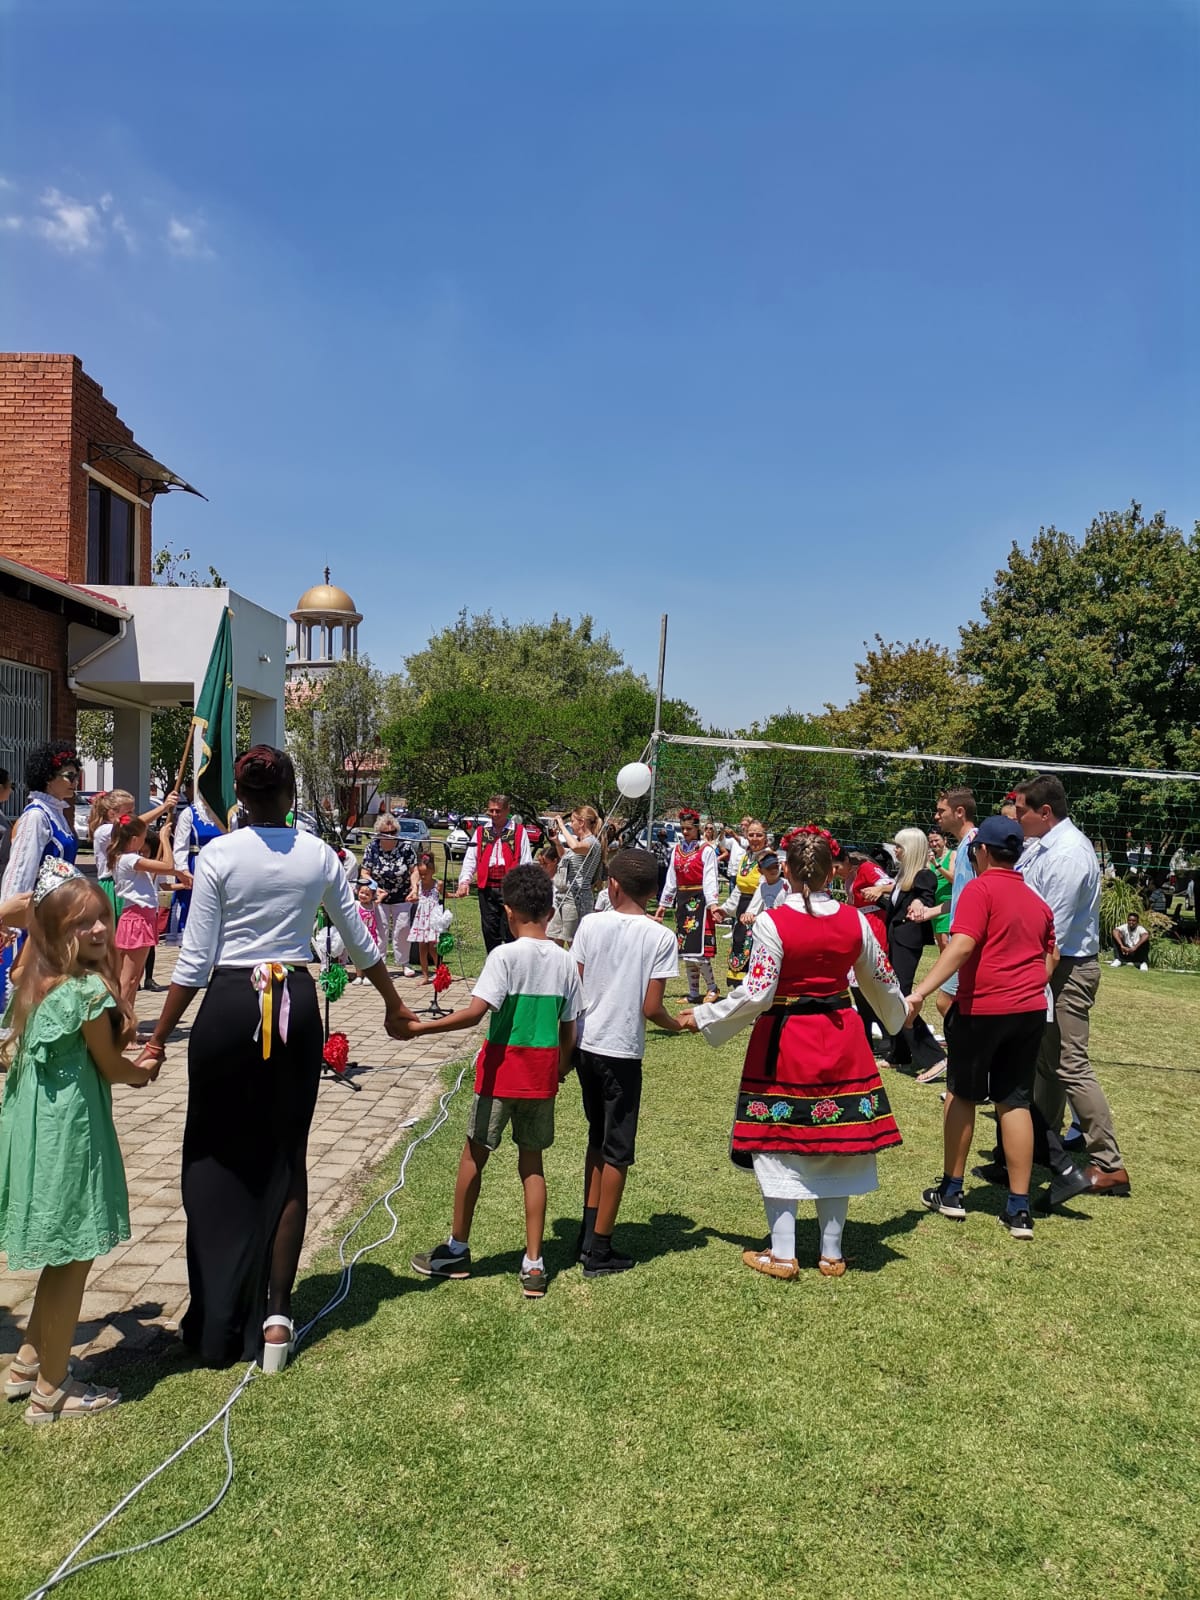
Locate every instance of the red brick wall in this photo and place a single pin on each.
(50, 411)
(34, 638)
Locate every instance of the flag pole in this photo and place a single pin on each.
(188, 750)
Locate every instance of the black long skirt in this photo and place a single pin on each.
(245, 1143)
(916, 1046)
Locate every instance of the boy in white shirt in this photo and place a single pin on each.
(625, 958)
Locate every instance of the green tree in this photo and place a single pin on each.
(1088, 651)
(333, 735)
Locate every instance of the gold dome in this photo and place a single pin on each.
(325, 599)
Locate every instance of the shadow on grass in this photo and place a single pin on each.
(370, 1285)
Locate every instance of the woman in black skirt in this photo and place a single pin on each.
(254, 1061)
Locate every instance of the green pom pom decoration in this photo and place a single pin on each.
(333, 980)
(445, 944)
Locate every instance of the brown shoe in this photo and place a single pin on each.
(831, 1267)
(1100, 1181)
(764, 1261)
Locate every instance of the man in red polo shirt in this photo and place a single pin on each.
(1002, 947)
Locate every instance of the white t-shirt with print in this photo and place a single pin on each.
(620, 956)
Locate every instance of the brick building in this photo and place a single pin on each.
(80, 621)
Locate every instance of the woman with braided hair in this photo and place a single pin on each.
(811, 1110)
(254, 1061)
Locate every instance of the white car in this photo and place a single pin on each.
(457, 842)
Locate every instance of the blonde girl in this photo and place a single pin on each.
(134, 880)
(106, 808)
(63, 1200)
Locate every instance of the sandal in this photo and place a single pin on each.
(764, 1261)
(932, 1074)
(711, 998)
(23, 1384)
(832, 1266)
(276, 1356)
(74, 1399)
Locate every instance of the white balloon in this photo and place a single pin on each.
(633, 781)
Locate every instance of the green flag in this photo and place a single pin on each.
(216, 718)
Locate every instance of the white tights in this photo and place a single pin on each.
(697, 968)
(781, 1219)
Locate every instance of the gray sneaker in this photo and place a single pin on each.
(441, 1262)
(533, 1283)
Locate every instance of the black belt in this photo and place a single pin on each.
(807, 1006)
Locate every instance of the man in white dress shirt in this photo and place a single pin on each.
(1060, 863)
(492, 853)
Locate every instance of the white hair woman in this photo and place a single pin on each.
(915, 882)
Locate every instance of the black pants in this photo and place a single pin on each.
(1131, 958)
(916, 1047)
(245, 1146)
(492, 918)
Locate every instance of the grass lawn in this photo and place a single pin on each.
(960, 1415)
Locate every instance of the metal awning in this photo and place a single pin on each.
(150, 472)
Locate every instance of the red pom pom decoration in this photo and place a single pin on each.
(442, 978)
(337, 1053)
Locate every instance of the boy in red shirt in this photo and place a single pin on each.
(1002, 947)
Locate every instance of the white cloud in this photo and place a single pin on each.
(186, 240)
(124, 232)
(69, 225)
(12, 224)
(6, 183)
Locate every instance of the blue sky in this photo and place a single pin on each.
(782, 318)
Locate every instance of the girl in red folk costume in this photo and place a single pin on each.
(691, 886)
(811, 1111)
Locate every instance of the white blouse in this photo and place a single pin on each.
(255, 897)
(752, 997)
(711, 891)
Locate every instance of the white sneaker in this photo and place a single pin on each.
(1144, 967)
(1114, 963)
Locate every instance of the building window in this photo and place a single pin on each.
(24, 721)
(111, 537)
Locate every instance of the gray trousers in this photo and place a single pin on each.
(1064, 1070)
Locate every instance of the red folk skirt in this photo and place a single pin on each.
(810, 1086)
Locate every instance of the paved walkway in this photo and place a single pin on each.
(141, 1286)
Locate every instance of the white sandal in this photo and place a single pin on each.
(88, 1399)
(276, 1356)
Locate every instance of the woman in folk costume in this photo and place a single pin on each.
(745, 882)
(691, 887)
(41, 831)
(811, 1110)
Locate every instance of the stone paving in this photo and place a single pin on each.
(141, 1286)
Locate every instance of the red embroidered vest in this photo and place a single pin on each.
(490, 873)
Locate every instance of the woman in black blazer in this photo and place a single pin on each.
(915, 882)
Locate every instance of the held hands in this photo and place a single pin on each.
(919, 913)
(399, 1022)
(462, 890)
(746, 920)
(183, 877)
(687, 1020)
(150, 1062)
(914, 1002)
(718, 915)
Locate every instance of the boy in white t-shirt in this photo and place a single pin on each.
(529, 991)
(625, 959)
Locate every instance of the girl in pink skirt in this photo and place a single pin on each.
(134, 881)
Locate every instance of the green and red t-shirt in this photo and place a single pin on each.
(530, 986)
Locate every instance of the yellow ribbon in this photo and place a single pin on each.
(262, 978)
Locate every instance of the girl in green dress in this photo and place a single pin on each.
(63, 1199)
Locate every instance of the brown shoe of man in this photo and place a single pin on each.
(1100, 1181)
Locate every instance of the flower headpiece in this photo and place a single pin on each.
(689, 816)
(810, 829)
(64, 758)
(124, 819)
(54, 872)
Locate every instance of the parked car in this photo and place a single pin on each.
(457, 841)
(673, 834)
(83, 806)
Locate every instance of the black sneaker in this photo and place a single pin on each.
(604, 1266)
(533, 1282)
(935, 1200)
(1018, 1223)
(441, 1262)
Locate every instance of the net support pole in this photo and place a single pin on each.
(655, 736)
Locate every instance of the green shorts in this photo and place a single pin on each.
(532, 1122)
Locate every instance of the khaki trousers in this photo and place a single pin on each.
(1064, 1071)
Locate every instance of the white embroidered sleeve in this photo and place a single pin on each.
(750, 999)
(712, 891)
(877, 980)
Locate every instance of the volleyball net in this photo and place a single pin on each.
(1142, 822)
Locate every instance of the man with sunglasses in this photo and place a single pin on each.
(491, 855)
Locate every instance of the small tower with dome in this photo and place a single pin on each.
(326, 622)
